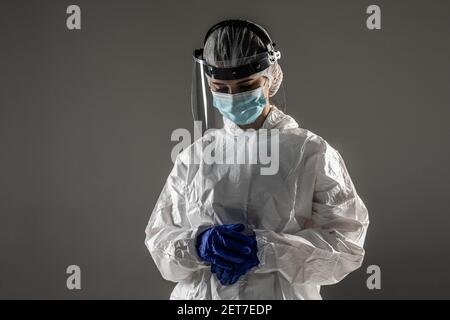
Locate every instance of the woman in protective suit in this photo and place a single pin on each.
(226, 230)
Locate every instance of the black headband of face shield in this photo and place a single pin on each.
(245, 70)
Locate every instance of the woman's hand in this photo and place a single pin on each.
(230, 252)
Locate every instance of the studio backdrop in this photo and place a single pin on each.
(88, 107)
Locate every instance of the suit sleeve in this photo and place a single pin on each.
(170, 238)
(331, 246)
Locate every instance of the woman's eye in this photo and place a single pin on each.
(246, 87)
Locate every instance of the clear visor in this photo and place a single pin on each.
(203, 85)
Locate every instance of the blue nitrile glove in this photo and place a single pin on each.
(223, 275)
(224, 245)
(227, 276)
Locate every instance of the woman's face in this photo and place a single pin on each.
(239, 85)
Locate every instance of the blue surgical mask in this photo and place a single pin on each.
(242, 108)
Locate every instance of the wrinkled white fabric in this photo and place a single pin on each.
(309, 221)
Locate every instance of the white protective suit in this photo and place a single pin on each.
(309, 222)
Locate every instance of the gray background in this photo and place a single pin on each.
(86, 118)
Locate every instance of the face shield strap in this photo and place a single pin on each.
(236, 72)
(270, 57)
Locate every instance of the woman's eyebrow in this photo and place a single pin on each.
(243, 81)
(224, 84)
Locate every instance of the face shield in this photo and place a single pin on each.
(234, 84)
